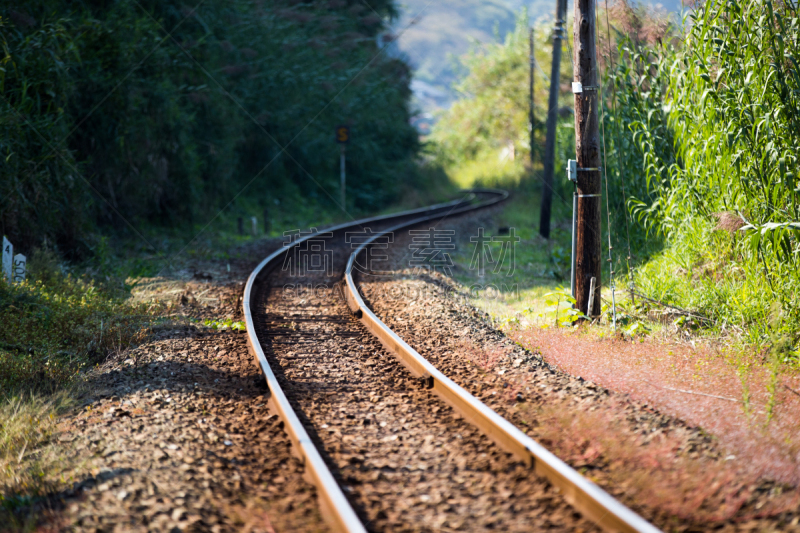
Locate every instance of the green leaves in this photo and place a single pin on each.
(560, 309)
(169, 128)
(778, 239)
(725, 140)
(635, 329)
(226, 323)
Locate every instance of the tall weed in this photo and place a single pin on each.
(27, 425)
(715, 121)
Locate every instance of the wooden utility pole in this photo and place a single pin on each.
(587, 136)
(530, 109)
(552, 116)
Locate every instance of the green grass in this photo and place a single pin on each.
(702, 272)
(539, 266)
(30, 462)
(57, 324)
(490, 169)
(707, 279)
(225, 324)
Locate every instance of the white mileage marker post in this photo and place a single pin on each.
(20, 266)
(8, 259)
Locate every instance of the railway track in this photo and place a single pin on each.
(390, 442)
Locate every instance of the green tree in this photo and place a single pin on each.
(155, 113)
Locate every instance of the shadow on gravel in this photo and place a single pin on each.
(215, 385)
(176, 377)
(23, 513)
(318, 389)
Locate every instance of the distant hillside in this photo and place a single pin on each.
(436, 34)
(433, 34)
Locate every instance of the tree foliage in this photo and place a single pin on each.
(490, 121)
(717, 131)
(127, 111)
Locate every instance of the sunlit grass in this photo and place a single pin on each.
(31, 463)
(491, 169)
(224, 324)
(514, 287)
(55, 325)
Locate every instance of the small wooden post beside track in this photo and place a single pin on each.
(342, 137)
(342, 179)
(587, 138)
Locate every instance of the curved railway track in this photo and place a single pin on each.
(391, 443)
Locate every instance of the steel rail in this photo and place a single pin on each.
(586, 497)
(334, 506)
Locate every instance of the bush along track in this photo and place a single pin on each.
(56, 325)
(713, 121)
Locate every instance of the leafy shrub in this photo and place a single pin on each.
(560, 310)
(59, 324)
(718, 174)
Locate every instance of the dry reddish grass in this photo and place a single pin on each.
(653, 470)
(703, 386)
(485, 358)
(670, 479)
(644, 25)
